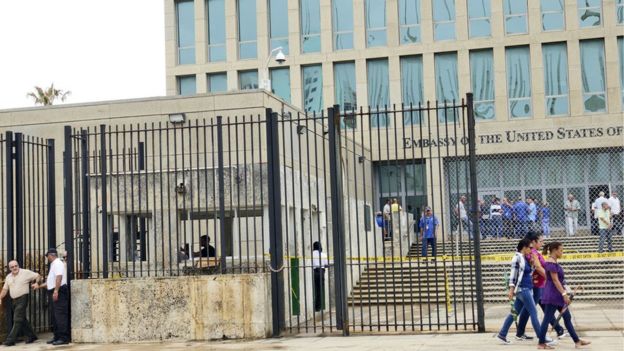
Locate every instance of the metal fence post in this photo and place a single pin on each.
(474, 204)
(335, 156)
(19, 198)
(10, 224)
(275, 223)
(86, 215)
(103, 188)
(51, 173)
(68, 215)
(221, 176)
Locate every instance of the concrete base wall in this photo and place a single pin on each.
(184, 308)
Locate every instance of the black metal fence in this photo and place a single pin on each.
(301, 196)
(28, 213)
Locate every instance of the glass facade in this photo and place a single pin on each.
(593, 75)
(515, 17)
(312, 80)
(217, 82)
(409, 21)
(378, 91)
(443, 19)
(447, 86)
(619, 11)
(280, 82)
(247, 80)
(345, 90)
(412, 87)
(553, 15)
(186, 85)
(555, 60)
(376, 23)
(519, 81)
(482, 79)
(216, 30)
(247, 29)
(185, 20)
(479, 18)
(278, 24)
(589, 13)
(310, 12)
(407, 182)
(342, 24)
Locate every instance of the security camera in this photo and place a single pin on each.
(280, 57)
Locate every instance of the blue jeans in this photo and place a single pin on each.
(546, 226)
(605, 234)
(524, 299)
(549, 317)
(467, 226)
(523, 316)
(497, 226)
(425, 244)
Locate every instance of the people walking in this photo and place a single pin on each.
(520, 284)
(428, 228)
(605, 226)
(17, 285)
(555, 297)
(571, 209)
(616, 213)
(58, 294)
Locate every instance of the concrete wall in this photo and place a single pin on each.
(182, 308)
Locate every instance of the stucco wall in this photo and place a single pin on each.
(183, 308)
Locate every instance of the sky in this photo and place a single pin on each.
(97, 49)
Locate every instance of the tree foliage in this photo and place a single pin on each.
(46, 97)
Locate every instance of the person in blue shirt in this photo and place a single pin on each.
(546, 220)
(507, 218)
(520, 210)
(532, 213)
(428, 227)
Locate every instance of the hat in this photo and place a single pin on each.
(51, 251)
(427, 208)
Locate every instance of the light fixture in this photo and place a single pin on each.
(361, 159)
(280, 58)
(177, 118)
(300, 129)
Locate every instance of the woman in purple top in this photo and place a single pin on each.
(555, 297)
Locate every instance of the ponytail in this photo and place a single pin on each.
(548, 248)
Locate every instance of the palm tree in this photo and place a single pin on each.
(46, 97)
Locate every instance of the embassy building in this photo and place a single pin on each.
(547, 78)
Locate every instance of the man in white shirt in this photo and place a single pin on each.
(464, 222)
(58, 293)
(387, 216)
(17, 285)
(595, 207)
(571, 208)
(616, 212)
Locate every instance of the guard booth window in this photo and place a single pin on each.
(136, 236)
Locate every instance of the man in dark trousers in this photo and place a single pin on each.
(17, 285)
(58, 293)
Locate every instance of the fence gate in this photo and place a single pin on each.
(28, 213)
(338, 171)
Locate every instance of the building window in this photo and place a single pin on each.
(280, 82)
(186, 85)
(278, 24)
(482, 79)
(412, 88)
(310, 26)
(515, 16)
(479, 18)
(447, 86)
(375, 23)
(590, 13)
(312, 79)
(443, 19)
(217, 82)
(620, 41)
(247, 36)
(555, 59)
(409, 21)
(553, 15)
(216, 30)
(378, 91)
(593, 75)
(619, 10)
(345, 92)
(519, 81)
(185, 14)
(247, 80)
(342, 24)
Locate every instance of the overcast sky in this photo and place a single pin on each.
(99, 50)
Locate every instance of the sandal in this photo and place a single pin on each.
(545, 347)
(582, 343)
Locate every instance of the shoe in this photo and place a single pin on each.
(49, 342)
(60, 342)
(503, 340)
(31, 339)
(545, 347)
(551, 342)
(524, 337)
(562, 335)
(9, 343)
(581, 343)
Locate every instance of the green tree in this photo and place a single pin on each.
(46, 97)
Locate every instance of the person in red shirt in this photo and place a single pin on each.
(539, 281)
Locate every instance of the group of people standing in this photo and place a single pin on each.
(17, 285)
(533, 281)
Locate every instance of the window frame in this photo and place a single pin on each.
(546, 97)
(303, 90)
(238, 32)
(579, 9)
(562, 12)
(179, 84)
(285, 49)
(493, 68)
(240, 87)
(209, 79)
(383, 29)
(510, 99)
(303, 37)
(524, 14)
(604, 77)
(208, 44)
(471, 19)
(411, 25)
(454, 21)
(177, 29)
